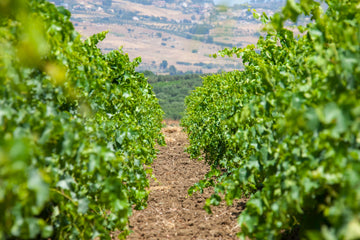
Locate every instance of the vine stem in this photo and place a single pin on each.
(64, 195)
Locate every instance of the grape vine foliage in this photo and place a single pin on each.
(285, 131)
(78, 129)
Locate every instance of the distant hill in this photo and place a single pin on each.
(182, 33)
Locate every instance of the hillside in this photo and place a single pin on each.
(169, 33)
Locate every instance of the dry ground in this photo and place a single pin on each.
(171, 213)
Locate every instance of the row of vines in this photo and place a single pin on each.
(78, 129)
(286, 130)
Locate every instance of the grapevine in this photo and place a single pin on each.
(78, 129)
(285, 130)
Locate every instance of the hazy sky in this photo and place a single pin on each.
(229, 2)
(233, 2)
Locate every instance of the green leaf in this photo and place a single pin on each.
(83, 205)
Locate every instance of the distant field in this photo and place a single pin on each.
(144, 42)
(160, 34)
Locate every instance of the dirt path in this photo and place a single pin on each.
(171, 213)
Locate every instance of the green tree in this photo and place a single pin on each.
(172, 70)
(209, 39)
(163, 64)
(200, 29)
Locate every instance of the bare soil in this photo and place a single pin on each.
(171, 213)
